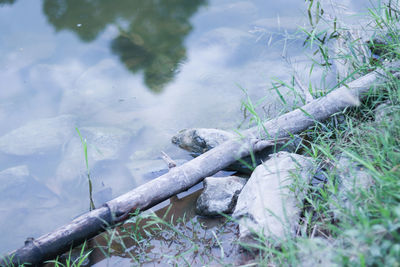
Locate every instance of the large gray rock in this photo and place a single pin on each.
(270, 203)
(19, 189)
(39, 136)
(104, 143)
(200, 140)
(351, 177)
(219, 195)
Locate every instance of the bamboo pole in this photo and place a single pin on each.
(181, 178)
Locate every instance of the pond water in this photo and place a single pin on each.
(128, 74)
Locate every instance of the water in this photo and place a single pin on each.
(129, 74)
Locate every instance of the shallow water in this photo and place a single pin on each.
(129, 74)
(188, 239)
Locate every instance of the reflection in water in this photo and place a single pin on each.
(151, 32)
(3, 2)
(52, 75)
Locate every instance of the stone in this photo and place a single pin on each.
(270, 203)
(200, 140)
(18, 188)
(351, 178)
(39, 136)
(104, 144)
(219, 195)
(102, 196)
(146, 170)
(384, 112)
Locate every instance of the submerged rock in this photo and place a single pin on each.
(145, 170)
(219, 195)
(39, 136)
(102, 196)
(269, 203)
(200, 140)
(19, 189)
(104, 143)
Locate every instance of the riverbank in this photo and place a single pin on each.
(355, 226)
(349, 215)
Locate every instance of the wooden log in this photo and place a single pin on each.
(181, 178)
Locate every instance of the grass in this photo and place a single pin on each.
(71, 261)
(355, 227)
(364, 230)
(85, 151)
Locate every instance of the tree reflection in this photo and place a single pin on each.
(151, 32)
(4, 2)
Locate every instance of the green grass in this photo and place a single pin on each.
(85, 151)
(71, 261)
(366, 231)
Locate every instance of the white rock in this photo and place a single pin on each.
(268, 204)
(39, 136)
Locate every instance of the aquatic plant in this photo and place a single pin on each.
(85, 151)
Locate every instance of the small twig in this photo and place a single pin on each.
(313, 231)
(170, 162)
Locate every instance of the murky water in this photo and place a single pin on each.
(129, 74)
(183, 238)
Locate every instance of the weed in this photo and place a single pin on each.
(365, 231)
(85, 150)
(71, 261)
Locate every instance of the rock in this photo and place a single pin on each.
(200, 140)
(104, 143)
(146, 170)
(18, 188)
(351, 178)
(102, 196)
(384, 112)
(39, 136)
(269, 202)
(219, 195)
